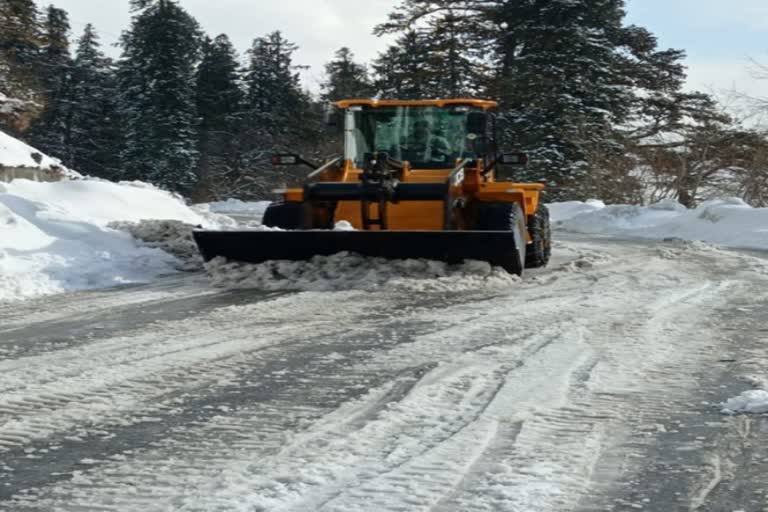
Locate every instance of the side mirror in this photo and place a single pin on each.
(517, 158)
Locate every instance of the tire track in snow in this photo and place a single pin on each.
(396, 336)
(16, 315)
(530, 388)
(569, 437)
(672, 466)
(38, 338)
(160, 377)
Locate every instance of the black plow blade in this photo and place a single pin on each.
(499, 248)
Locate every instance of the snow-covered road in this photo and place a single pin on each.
(590, 385)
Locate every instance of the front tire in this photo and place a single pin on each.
(540, 248)
(284, 215)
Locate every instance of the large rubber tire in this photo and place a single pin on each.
(540, 249)
(284, 215)
(505, 217)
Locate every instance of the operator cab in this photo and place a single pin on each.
(427, 134)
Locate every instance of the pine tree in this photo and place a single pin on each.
(564, 92)
(21, 95)
(157, 103)
(274, 96)
(20, 37)
(219, 100)
(565, 71)
(345, 78)
(400, 70)
(433, 61)
(94, 135)
(49, 132)
(279, 115)
(453, 63)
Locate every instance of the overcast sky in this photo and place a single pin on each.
(719, 36)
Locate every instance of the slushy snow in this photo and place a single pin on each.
(54, 237)
(347, 271)
(754, 401)
(728, 222)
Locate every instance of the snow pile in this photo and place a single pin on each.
(54, 237)
(345, 271)
(237, 206)
(730, 222)
(172, 236)
(584, 262)
(754, 401)
(14, 153)
(569, 209)
(343, 225)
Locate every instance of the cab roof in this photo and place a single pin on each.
(484, 104)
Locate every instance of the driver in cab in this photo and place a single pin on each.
(423, 145)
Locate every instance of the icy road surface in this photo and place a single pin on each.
(592, 385)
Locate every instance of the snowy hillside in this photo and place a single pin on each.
(54, 236)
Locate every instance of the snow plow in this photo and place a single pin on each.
(418, 179)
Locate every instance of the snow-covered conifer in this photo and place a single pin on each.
(346, 78)
(157, 95)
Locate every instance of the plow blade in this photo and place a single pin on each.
(499, 248)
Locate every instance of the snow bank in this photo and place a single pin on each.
(54, 237)
(172, 236)
(345, 271)
(569, 209)
(14, 153)
(729, 222)
(754, 401)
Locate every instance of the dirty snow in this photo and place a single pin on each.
(728, 222)
(172, 236)
(55, 237)
(754, 401)
(346, 271)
